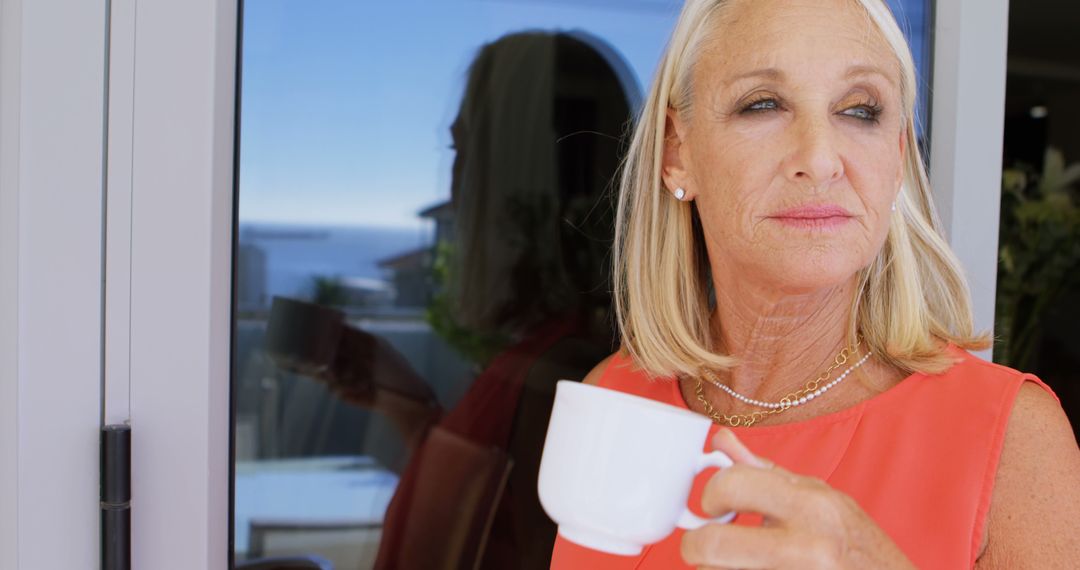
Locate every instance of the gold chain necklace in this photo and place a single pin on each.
(813, 389)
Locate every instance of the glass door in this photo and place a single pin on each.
(424, 217)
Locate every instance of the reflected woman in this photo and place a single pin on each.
(538, 140)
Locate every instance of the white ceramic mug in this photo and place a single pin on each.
(617, 469)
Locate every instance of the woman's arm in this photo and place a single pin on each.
(1034, 519)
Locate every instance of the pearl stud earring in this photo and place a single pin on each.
(680, 193)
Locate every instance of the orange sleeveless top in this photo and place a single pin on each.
(920, 458)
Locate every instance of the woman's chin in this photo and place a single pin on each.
(800, 277)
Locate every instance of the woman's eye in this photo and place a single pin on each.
(761, 105)
(869, 113)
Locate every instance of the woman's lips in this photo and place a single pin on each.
(827, 216)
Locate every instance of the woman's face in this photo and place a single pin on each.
(793, 149)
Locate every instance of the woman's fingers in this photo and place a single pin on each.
(775, 493)
(755, 484)
(808, 524)
(726, 441)
(735, 546)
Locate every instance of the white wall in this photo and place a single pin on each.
(51, 130)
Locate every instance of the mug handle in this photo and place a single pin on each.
(689, 520)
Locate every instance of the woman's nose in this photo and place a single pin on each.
(814, 160)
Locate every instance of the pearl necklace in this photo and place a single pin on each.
(812, 390)
(786, 402)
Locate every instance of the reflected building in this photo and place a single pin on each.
(251, 279)
(411, 272)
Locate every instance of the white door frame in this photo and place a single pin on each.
(180, 61)
(966, 136)
(162, 340)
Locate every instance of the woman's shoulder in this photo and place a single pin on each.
(1030, 446)
(617, 366)
(972, 371)
(619, 372)
(597, 373)
(1038, 451)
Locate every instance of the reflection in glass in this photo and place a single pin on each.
(404, 417)
(522, 294)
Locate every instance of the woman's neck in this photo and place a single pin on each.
(781, 339)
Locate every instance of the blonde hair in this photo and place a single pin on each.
(911, 300)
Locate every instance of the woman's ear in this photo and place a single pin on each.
(903, 156)
(673, 165)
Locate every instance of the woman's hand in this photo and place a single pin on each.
(808, 524)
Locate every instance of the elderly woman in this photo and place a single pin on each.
(779, 269)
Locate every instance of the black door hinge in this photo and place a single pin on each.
(116, 497)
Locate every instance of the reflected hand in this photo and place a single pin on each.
(808, 524)
(352, 376)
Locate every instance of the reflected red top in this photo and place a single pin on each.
(920, 458)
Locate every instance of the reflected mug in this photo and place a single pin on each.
(617, 469)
